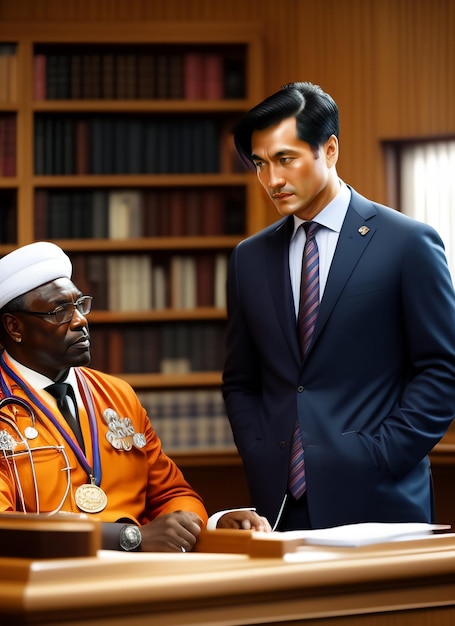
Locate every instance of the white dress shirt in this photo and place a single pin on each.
(331, 219)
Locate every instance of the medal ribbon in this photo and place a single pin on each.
(95, 473)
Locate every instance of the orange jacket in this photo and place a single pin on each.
(140, 483)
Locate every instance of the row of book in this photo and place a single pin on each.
(122, 144)
(186, 420)
(128, 213)
(141, 282)
(7, 144)
(8, 72)
(108, 73)
(164, 347)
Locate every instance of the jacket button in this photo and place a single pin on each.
(282, 444)
(300, 388)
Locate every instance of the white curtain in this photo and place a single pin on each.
(428, 189)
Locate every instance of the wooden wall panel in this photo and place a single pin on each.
(390, 64)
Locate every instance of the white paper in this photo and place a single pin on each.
(365, 533)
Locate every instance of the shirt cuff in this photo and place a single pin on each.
(213, 519)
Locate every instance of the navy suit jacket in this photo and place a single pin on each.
(377, 389)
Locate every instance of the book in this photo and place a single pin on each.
(98, 155)
(52, 76)
(115, 348)
(144, 272)
(39, 77)
(221, 268)
(127, 279)
(175, 77)
(130, 76)
(120, 145)
(113, 282)
(193, 76)
(176, 281)
(176, 210)
(57, 145)
(133, 348)
(80, 214)
(39, 146)
(125, 214)
(8, 145)
(8, 222)
(68, 146)
(189, 282)
(97, 277)
(120, 76)
(76, 76)
(82, 161)
(4, 70)
(135, 150)
(107, 87)
(12, 75)
(99, 211)
(213, 76)
(159, 287)
(59, 211)
(161, 76)
(212, 217)
(40, 215)
(151, 154)
(151, 348)
(205, 286)
(192, 218)
(146, 76)
(151, 213)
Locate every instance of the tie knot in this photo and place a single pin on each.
(310, 229)
(58, 390)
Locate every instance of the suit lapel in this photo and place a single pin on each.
(355, 235)
(280, 282)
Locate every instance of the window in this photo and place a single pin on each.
(426, 186)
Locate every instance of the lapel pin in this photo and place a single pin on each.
(363, 230)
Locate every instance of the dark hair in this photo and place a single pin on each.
(315, 111)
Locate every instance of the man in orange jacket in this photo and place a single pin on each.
(103, 459)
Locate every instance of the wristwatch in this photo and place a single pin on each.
(130, 538)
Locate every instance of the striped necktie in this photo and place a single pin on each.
(308, 312)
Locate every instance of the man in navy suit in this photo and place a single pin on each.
(375, 390)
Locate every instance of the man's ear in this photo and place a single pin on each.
(331, 151)
(11, 324)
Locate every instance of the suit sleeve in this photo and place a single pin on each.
(241, 376)
(427, 404)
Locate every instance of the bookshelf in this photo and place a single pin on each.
(115, 143)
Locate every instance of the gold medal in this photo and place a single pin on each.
(90, 498)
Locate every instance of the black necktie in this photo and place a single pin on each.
(62, 392)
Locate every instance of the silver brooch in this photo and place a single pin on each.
(121, 434)
(7, 442)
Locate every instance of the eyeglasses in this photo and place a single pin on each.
(64, 313)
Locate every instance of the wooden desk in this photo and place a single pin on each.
(403, 584)
(219, 477)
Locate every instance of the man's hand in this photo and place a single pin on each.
(245, 520)
(174, 532)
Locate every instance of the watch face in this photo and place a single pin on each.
(130, 538)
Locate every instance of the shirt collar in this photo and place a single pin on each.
(331, 216)
(35, 380)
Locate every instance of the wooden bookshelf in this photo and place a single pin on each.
(48, 180)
